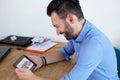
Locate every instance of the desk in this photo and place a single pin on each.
(55, 70)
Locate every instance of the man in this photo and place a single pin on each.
(95, 56)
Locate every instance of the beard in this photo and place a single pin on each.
(68, 34)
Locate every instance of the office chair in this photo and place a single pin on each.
(117, 51)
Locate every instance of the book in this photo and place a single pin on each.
(41, 48)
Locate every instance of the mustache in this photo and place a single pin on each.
(61, 32)
(64, 32)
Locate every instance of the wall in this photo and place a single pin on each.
(28, 18)
(105, 14)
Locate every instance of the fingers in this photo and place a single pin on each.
(20, 69)
(35, 59)
(30, 56)
(24, 74)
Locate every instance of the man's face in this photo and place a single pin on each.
(62, 27)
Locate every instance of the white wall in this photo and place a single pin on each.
(28, 18)
(105, 14)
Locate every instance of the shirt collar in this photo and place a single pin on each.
(83, 32)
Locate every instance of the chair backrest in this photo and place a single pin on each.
(117, 51)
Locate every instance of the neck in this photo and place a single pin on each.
(79, 27)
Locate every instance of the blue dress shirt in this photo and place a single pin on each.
(95, 56)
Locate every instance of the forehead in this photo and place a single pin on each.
(54, 18)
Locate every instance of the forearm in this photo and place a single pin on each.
(54, 57)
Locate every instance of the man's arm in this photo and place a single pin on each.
(50, 58)
(54, 57)
(25, 74)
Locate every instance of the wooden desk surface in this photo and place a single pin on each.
(55, 70)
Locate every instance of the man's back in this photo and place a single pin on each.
(95, 56)
(107, 68)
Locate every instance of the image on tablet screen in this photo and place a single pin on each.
(25, 63)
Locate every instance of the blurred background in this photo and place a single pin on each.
(29, 18)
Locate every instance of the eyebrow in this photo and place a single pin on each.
(56, 25)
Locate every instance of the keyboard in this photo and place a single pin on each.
(4, 50)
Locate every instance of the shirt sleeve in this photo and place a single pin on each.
(89, 56)
(67, 50)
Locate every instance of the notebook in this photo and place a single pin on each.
(20, 41)
(4, 50)
(41, 48)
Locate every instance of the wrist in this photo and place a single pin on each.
(43, 59)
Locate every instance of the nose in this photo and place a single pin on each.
(58, 32)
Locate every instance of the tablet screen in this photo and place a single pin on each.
(24, 62)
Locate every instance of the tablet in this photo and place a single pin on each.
(25, 62)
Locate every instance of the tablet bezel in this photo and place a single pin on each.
(21, 58)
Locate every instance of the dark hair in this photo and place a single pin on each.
(63, 7)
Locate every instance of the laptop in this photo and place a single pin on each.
(4, 50)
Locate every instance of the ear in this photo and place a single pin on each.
(70, 18)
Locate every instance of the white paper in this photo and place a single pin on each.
(42, 47)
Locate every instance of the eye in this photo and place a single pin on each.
(56, 26)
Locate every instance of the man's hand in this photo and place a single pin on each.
(25, 74)
(35, 59)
